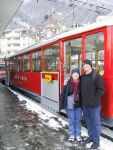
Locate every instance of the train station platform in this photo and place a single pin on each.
(24, 129)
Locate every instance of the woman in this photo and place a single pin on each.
(70, 101)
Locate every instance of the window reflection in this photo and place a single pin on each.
(36, 61)
(51, 55)
(73, 49)
(20, 63)
(13, 64)
(27, 62)
(95, 51)
(2, 67)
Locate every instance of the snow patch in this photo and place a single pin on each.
(56, 123)
(47, 117)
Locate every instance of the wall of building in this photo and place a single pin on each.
(14, 40)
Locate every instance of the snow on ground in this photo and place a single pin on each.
(56, 123)
(42, 113)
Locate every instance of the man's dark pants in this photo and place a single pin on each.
(92, 118)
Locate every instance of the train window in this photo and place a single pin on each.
(13, 64)
(27, 62)
(95, 51)
(20, 63)
(73, 49)
(52, 58)
(10, 64)
(2, 67)
(36, 61)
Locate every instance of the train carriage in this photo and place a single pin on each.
(42, 68)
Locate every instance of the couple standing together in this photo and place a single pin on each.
(83, 94)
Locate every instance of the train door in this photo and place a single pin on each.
(94, 48)
(72, 56)
(50, 77)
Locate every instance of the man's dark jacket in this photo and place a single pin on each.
(67, 90)
(92, 88)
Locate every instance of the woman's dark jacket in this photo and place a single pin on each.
(68, 90)
(92, 88)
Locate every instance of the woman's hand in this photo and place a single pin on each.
(65, 82)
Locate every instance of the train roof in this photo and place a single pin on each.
(78, 30)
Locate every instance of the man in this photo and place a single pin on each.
(92, 89)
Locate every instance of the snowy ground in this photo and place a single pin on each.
(56, 123)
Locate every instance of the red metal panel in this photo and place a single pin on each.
(107, 51)
(61, 65)
(83, 47)
(27, 80)
(107, 101)
(111, 50)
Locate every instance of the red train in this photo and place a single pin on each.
(2, 69)
(42, 68)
